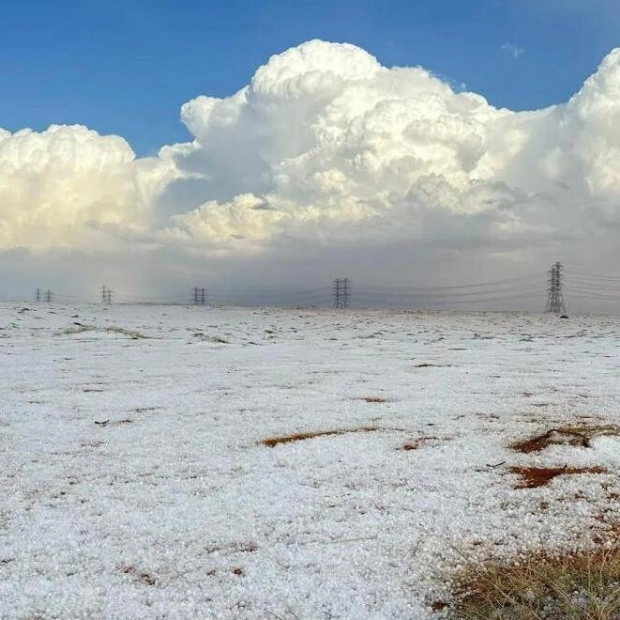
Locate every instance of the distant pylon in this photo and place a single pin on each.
(200, 296)
(555, 302)
(38, 294)
(49, 296)
(342, 293)
(106, 295)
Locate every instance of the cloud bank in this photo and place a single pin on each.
(328, 153)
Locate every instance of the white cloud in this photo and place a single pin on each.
(326, 148)
(513, 50)
(63, 187)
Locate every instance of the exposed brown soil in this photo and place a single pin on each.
(420, 442)
(533, 477)
(270, 442)
(374, 399)
(145, 578)
(439, 606)
(577, 436)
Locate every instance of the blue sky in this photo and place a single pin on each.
(126, 66)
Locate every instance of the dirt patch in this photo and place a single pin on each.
(439, 606)
(113, 423)
(143, 577)
(421, 442)
(533, 477)
(207, 338)
(270, 442)
(607, 531)
(233, 548)
(577, 436)
(374, 399)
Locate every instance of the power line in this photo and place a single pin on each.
(402, 284)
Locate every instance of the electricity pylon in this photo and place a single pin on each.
(555, 302)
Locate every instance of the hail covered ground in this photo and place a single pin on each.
(259, 463)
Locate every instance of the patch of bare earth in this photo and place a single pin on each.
(579, 435)
(271, 442)
(533, 477)
(421, 442)
(143, 577)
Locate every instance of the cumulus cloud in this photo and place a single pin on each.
(326, 148)
(61, 188)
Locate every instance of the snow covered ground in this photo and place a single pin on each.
(134, 483)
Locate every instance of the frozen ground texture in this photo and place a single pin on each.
(173, 509)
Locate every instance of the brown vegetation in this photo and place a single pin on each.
(581, 586)
(420, 442)
(270, 442)
(540, 476)
(578, 436)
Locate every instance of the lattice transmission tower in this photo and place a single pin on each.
(106, 296)
(555, 302)
(342, 293)
(41, 295)
(200, 296)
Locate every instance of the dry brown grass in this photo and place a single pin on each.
(374, 399)
(80, 329)
(270, 442)
(533, 477)
(579, 435)
(420, 442)
(583, 586)
(132, 333)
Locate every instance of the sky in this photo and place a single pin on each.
(217, 143)
(126, 66)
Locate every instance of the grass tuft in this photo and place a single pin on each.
(208, 338)
(132, 333)
(80, 329)
(580, 586)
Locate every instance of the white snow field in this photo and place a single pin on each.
(134, 483)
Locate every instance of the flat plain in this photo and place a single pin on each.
(192, 462)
